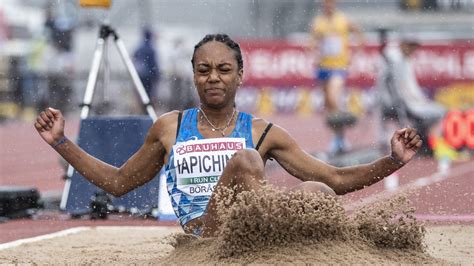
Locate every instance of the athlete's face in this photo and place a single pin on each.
(216, 74)
(329, 6)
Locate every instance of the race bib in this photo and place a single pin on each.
(200, 163)
(331, 46)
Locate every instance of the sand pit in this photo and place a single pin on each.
(146, 245)
(269, 228)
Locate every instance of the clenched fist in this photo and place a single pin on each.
(405, 143)
(50, 125)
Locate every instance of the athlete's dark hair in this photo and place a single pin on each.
(225, 39)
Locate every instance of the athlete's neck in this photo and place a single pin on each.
(218, 116)
(329, 14)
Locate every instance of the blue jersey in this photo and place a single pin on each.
(195, 163)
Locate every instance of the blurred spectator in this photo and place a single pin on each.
(60, 79)
(146, 64)
(15, 79)
(401, 96)
(60, 60)
(34, 82)
(181, 84)
(60, 30)
(330, 36)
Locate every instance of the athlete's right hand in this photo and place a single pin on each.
(50, 125)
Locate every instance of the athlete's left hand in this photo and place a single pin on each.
(405, 143)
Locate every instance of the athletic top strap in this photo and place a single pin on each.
(264, 134)
(180, 115)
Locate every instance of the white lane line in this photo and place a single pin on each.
(416, 184)
(66, 232)
(138, 228)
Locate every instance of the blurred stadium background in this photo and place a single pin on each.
(46, 49)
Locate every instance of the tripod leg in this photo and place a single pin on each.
(67, 187)
(136, 79)
(86, 104)
(92, 79)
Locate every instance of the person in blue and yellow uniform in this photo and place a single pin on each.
(216, 145)
(330, 34)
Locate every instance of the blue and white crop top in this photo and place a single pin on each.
(195, 163)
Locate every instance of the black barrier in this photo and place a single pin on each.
(112, 140)
(18, 202)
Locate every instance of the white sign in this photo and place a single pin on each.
(200, 163)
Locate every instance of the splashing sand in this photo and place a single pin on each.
(391, 224)
(270, 226)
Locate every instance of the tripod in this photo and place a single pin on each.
(104, 33)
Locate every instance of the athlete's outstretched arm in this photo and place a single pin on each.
(138, 170)
(342, 180)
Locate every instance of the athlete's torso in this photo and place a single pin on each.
(334, 45)
(196, 163)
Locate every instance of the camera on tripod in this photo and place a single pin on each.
(100, 206)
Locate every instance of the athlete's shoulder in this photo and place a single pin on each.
(165, 123)
(259, 124)
(169, 117)
(341, 17)
(276, 136)
(339, 14)
(318, 22)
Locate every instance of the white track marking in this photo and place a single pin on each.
(79, 229)
(66, 232)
